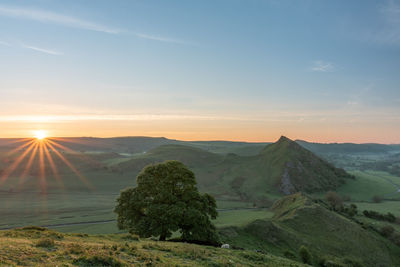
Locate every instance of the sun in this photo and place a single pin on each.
(40, 134)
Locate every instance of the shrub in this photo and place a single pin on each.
(305, 255)
(351, 210)
(334, 200)
(98, 260)
(288, 254)
(32, 227)
(387, 231)
(45, 243)
(75, 249)
(389, 217)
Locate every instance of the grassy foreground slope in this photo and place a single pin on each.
(38, 246)
(300, 221)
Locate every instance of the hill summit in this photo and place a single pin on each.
(300, 169)
(283, 167)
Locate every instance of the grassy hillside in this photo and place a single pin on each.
(280, 168)
(297, 169)
(36, 246)
(300, 221)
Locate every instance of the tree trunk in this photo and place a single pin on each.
(163, 236)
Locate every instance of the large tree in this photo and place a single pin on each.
(166, 200)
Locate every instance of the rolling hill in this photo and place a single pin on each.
(283, 167)
(298, 221)
(300, 169)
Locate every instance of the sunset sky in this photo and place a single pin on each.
(249, 70)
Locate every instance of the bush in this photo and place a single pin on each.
(45, 243)
(98, 261)
(305, 255)
(351, 210)
(32, 227)
(387, 230)
(389, 217)
(75, 249)
(288, 254)
(334, 200)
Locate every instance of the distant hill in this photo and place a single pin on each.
(300, 169)
(300, 221)
(280, 168)
(348, 148)
(140, 144)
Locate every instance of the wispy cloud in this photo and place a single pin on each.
(160, 38)
(70, 21)
(42, 50)
(51, 17)
(322, 66)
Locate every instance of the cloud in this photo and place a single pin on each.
(51, 17)
(42, 50)
(160, 38)
(322, 66)
(69, 21)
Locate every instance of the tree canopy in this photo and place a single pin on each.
(166, 200)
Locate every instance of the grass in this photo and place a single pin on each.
(19, 247)
(383, 207)
(241, 217)
(366, 185)
(299, 221)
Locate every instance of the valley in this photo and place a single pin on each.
(246, 180)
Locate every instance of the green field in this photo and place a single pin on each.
(368, 184)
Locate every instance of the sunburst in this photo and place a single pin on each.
(44, 148)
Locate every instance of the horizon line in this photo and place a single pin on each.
(201, 140)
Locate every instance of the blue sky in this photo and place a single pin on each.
(234, 69)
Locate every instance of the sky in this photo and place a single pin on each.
(242, 70)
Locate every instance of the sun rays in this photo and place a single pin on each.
(41, 151)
